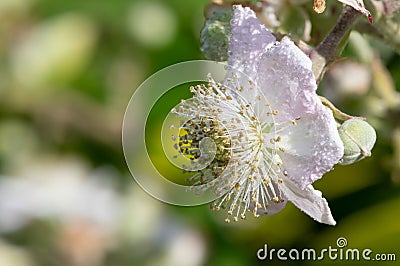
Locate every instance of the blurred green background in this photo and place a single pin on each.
(67, 72)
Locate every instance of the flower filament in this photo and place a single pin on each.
(245, 168)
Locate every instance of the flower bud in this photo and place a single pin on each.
(215, 36)
(358, 139)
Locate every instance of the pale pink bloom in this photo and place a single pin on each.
(272, 131)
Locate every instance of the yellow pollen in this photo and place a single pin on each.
(255, 213)
(237, 186)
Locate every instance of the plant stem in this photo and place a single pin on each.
(339, 115)
(328, 48)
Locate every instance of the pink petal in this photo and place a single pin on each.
(250, 39)
(359, 6)
(309, 201)
(286, 80)
(312, 146)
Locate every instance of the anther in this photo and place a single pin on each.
(237, 186)
(255, 213)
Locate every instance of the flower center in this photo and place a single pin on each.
(231, 150)
(206, 143)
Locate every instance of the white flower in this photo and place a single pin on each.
(271, 136)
